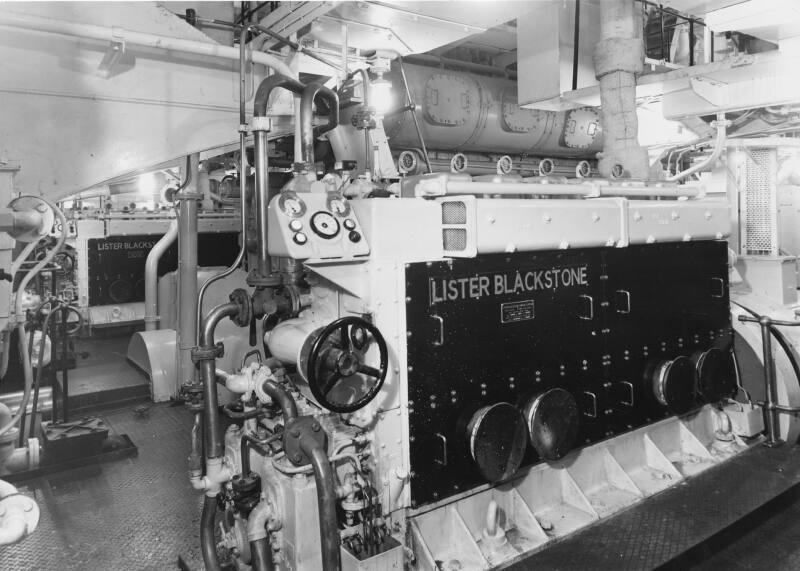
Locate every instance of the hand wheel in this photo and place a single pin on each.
(338, 372)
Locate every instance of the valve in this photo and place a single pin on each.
(337, 371)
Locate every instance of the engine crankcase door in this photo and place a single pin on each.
(716, 377)
(673, 383)
(496, 438)
(552, 420)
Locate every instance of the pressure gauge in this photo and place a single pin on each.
(339, 206)
(325, 225)
(292, 205)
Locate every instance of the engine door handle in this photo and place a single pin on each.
(589, 314)
(438, 342)
(443, 439)
(623, 301)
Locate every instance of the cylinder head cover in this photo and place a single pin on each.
(673, 383)
(496, 437)
(716, 377)
(552, 419)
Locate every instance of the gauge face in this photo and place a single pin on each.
(292, 205)
(338, 206)
(325, 225)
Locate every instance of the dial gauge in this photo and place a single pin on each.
(292, 205)
(338, 205)
(325, 225)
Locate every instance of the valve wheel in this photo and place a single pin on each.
(338, 372)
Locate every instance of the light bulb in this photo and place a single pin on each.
(381, 95)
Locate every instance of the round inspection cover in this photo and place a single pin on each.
(716, 377)
(674, 384)
(496, 436)
(552, 421)
(120, 291)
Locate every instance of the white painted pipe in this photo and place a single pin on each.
(588, 189)
(719, 146)
(117, 34)
(151, 316)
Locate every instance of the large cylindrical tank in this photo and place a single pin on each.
(461, 111)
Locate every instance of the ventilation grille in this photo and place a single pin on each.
(454, 213)
(454, 239)
(760, 202)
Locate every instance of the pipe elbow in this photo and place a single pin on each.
(257, 521)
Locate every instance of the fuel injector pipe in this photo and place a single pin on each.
(261, 127)
(307, 114)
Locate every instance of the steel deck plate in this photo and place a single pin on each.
(129, 515)
(656, 531)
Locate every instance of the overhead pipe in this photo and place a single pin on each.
(187, 273)
(426, 59)
(719, 145)
(286, 71)
(310, 93)
(133, 38)
(261, 127)
(584, 189)
(365, 86)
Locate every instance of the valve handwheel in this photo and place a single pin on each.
(339, 374)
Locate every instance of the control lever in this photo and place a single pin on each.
(253, 336)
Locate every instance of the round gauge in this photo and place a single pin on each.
(292, 205)
(325, 225)
(339, 206)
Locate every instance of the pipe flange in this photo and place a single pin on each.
(261, 124)
(298, 431)
(39, 209)
(200, 354)
(242, 300)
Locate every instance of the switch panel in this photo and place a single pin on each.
(314, 225)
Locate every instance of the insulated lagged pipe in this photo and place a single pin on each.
(310, 93)
(618, 57)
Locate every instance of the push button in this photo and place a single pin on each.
(354, 236)
(295, 226)
(349, 224)
(300, 238)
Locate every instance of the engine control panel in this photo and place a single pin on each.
(518, 358)
(314, 225)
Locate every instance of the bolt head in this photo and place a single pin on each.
(315, 426)
(295, 432)
(297, 457)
